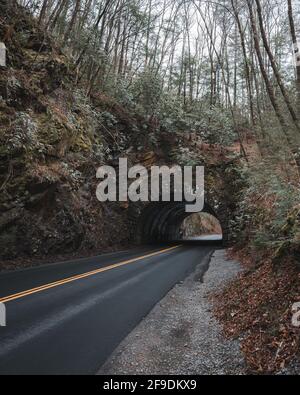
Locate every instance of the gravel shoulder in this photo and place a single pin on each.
(181, 335)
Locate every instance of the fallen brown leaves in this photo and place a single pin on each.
(257, 307)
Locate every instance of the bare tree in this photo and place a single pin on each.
(73, 19)
(274, 66)
(296, 50)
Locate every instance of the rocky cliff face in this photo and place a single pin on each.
(52, 140)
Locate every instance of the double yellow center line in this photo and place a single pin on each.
(80, 276)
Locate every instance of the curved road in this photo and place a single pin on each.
(67, 318)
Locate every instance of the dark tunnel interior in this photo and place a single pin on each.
(162, 221)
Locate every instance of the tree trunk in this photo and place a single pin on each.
(274, 66)
(246, 63)
(296, 51)
(43, 12)
(73, 20)
(100, 16)
(265, 75)
(61, 5)
(148, 36)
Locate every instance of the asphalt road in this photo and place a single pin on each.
(67, 318)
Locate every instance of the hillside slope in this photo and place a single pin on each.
(52, 140)
(53, 137)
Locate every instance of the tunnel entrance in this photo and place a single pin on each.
(169, 221)
(159, 222)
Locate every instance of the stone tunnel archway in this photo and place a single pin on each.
(161, 221)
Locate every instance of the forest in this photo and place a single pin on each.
(225, 73)
(234, 61)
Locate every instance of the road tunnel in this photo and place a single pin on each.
(163, 221)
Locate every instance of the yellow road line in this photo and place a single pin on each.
(80, 276)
